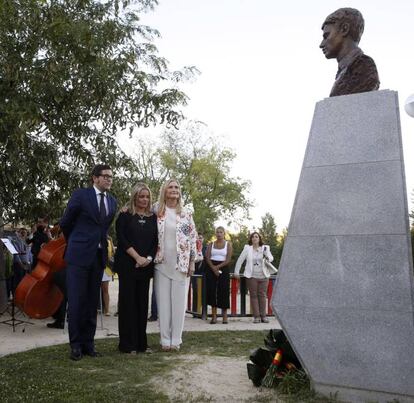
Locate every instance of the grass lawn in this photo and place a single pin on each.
(47, 374)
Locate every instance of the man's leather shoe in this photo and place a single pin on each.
(55, 325)
(76, 354)
(92, 353)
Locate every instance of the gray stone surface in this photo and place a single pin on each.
(354, 347)
(350, 199)
(331, 142)
(354, 271)
(344, 294)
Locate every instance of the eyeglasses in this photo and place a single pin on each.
(107, 177)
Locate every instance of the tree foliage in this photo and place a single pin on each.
(281, 238)
(72, 75)
(239, 240)
(412, 209)
(268, 231)
(203, 168)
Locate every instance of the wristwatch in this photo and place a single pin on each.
(149, 258)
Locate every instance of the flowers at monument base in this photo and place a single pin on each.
(270, 377)
(268, 365)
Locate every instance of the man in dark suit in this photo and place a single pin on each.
(85, 225)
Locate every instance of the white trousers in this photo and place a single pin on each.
(171, 298)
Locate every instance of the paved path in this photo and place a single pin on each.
(27, 337)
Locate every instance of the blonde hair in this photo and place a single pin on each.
(161, 199)
(136, 190)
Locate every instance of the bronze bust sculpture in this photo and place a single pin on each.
(342, 31)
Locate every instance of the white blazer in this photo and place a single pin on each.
(247, 255)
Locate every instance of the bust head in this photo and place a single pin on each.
(342, 31)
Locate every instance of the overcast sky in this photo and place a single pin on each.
(262, 72)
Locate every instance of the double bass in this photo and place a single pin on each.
(37, 295)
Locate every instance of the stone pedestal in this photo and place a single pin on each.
(344, 294)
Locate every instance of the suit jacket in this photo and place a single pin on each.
(83, 229)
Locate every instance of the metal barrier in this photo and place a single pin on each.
(197, 297)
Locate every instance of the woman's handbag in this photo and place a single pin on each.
(272, 269)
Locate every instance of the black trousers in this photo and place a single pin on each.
(218, 288)
(59, 279)
(133, 309)
(83, 287)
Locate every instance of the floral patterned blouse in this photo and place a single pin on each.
(186, 237)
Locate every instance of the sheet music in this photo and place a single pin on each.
(9, 246)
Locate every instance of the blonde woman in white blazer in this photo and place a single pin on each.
(256, 273)
(174, 263)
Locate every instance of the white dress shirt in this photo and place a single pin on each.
(98, 198)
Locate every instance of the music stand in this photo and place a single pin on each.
(11, 308)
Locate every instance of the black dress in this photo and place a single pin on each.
(141, 234)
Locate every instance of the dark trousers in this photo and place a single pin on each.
(83, 287)
(59, 279)
(133, 310)
(218, 288)
(154, 309)
(199, 269)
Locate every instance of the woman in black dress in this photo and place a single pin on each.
(218, 256)
(136, 231)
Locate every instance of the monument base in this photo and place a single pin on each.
(344, 294)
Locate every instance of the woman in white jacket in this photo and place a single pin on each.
(256, 273)
(174, 263)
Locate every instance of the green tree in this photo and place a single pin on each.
(268, 231)
(238, 241)
(203, 168)
(280, 245)
(72, 75)
(412, 209)
(271, 237)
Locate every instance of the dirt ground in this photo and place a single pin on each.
(212, 379)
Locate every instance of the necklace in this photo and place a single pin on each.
(141, 219)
